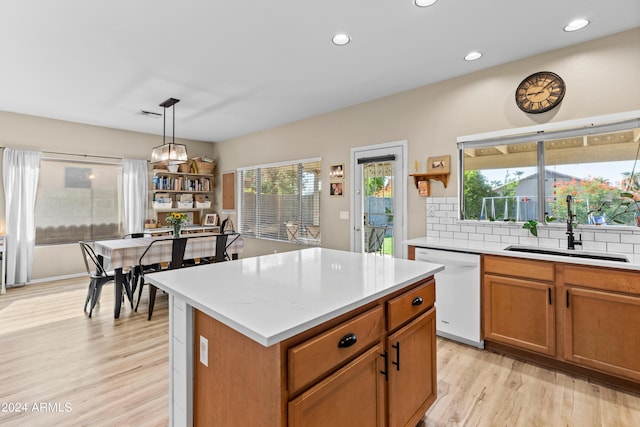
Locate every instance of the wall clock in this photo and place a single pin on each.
(540, 92)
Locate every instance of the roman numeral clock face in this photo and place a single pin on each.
(540, 92)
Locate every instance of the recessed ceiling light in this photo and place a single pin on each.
(576, 24)
(341, 39)
(472, 56)
(424, 3)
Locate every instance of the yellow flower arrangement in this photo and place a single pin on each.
(176, 220)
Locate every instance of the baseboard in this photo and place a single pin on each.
(52, 279)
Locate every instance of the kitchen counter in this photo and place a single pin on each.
(494, 248)
(273, 297)
(269, 299)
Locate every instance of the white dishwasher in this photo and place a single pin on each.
(457, 294)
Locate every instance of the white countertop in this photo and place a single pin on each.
(274, 297)
(493, 248)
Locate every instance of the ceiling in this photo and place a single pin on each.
(239, 67)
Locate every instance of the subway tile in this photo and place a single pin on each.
(620, 247)
(607, 237)
(461, 236)
(519, 232)
(509, 239)
(453, 228)
(446, 235)
(528, 241)
(439, 227)
(630, 238)
(553, 243)
(469, 229)
(492, 238)
(476, 237)
(594, 246)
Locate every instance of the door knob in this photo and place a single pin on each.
(356, 228)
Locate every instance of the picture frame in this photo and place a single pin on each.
(439, 164)
(210, 219)
(336, 189)
(336, 172)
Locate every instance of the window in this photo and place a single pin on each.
(78, 201)
(281, 201)
(529, 176)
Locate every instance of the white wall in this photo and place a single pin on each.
(601, 78)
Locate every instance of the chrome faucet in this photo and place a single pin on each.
(571, 241)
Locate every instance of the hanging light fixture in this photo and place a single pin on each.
(171, 153)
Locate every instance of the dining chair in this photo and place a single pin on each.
(374, 238)
(133, 275)
(178, 247)
(98, 275)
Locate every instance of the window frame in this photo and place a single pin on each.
(314, 238)
(539, 134)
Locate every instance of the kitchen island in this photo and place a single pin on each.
(309, 337)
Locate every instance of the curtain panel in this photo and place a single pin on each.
(135, 179)
(21, 169)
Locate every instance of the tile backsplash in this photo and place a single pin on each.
(442, 222)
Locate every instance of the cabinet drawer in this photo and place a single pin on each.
(519, 267)
(321, 354)
(408, 305)
(603, 278)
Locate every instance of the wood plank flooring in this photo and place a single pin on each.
(115, 372)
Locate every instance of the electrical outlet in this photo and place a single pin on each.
(431, 210)
(204, 351)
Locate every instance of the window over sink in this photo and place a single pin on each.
(528, 174)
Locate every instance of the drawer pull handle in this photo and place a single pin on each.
(417, 301)
(347, 341)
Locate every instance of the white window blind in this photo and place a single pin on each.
(281, 201)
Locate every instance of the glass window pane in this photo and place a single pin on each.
(500, 182)
(78, 201)
(596, 170)
(282, 202)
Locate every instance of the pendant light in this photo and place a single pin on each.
(171, 153)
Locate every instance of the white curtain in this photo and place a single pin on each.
(135, 178)
(20, 171)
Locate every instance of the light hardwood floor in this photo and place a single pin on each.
(115, 372)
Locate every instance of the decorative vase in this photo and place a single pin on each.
(177, 230)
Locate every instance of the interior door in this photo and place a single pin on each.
(379, 208)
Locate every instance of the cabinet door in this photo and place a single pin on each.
(519, 313)
(412, 385)
(353, 396)
(601, 331)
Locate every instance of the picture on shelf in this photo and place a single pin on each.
(336, 189)
(440, 164)
(210, 219)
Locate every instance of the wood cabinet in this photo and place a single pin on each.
(411, 357)
(168, 187)
(518, 310)
(601, 326)
(374, 366)
(580, 318)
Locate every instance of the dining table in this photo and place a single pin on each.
(126, 253)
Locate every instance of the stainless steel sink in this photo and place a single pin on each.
(568, 253)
